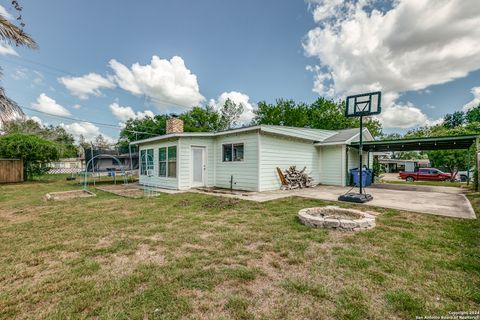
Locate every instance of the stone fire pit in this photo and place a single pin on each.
(334, 217)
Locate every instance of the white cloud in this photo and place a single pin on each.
(36, 119)
(20, 74)
(239, 98)
(76, 106)
(48, 105)
(87, 129)
(6, 49)
(475, 101)
(165, 82)
(89, 84)
(125, 113)
(412, 46)
(4, 13)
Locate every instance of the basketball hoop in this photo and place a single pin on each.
(360, 105)
(366, 104)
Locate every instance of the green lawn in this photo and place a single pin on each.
(192, 256)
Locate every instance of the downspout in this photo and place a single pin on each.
(347, 176)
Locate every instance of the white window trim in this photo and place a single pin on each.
(146, 159)
(232, 143)
(166, 169)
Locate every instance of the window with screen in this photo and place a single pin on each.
(162, 162)
(172, 161)
(233, 152)
(167, 162)
(146, 161)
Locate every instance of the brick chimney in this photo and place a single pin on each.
(174, 125)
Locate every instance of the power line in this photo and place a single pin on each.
(112, 126)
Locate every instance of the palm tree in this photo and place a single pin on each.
(13, 35)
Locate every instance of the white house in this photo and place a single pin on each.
(246, 158)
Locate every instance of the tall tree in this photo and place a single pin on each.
(138, 129)
(321, 114)
(13, 35)
(230, 113)
(101, 142)
(473, 115)
(200, 119)
(453, 120)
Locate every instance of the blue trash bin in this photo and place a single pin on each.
(355, 173)
(369, 179)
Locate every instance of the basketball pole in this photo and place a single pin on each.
(360, 154)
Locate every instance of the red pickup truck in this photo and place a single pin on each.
(427, 174)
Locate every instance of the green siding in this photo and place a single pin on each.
(155, 180)
(282, 152)
(245, 173)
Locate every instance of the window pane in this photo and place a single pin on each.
(172, 169)
(149, 159)
(143, 162)
(172, 153)
(238, 152)
(162, 169)
(227, 152)
(162, 154)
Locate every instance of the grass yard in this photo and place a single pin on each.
(192, 256)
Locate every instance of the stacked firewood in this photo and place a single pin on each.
(295, 178)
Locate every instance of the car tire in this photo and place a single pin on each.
(463, 178)
(410, 179)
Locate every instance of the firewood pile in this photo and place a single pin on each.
(294, 178)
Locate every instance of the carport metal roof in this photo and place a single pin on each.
(418, 144)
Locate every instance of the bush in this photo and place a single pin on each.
(35, 152)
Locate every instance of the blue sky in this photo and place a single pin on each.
(245, 50)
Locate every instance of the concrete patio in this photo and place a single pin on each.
(443, 201)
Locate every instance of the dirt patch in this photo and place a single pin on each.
(66, 195)
(118, 264)
(129, 191)
(15, 216)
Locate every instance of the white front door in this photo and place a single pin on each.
(198, 166)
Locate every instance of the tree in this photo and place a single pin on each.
(57, 134)
(473, 115)
(453, 120)
(321, 114)
(229, 115)
(200, 119)
(138, 129)
(101, 142)
(13, 35)
(33, 150)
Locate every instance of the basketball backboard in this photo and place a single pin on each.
(365, 104)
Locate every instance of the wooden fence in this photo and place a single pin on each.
(11, 170)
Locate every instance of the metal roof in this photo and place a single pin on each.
(301, 133)
(343, 135)
(418, 144)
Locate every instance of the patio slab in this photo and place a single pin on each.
(440, 202)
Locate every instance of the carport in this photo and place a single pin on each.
(420, 144)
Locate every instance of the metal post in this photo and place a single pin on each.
(468, 166)
(360, 153)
